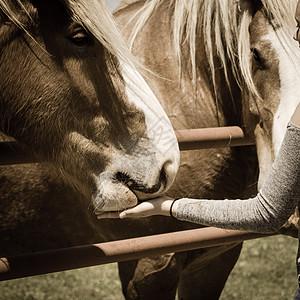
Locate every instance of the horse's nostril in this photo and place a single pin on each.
(124, 178)
(143, 186)
(127, 180)
(163, 176)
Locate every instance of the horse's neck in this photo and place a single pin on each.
(188, 106)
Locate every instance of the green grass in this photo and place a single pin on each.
(265, 270)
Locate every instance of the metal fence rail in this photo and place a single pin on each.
(214, 137)
(188, 139)
(38, 263)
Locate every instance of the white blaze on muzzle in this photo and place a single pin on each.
(159, 127)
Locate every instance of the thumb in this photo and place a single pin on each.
(124, 214)
(143, 209)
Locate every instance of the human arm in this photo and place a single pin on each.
(266, 212)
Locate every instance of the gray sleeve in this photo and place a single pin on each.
(266, 212)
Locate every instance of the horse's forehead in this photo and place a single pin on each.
(259, 25)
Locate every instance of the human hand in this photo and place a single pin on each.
(156, 206)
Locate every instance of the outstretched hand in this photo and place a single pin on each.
(156, 206)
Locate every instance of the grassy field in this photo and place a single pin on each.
(265, 270)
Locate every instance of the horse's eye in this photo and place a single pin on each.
(258, 63)
(80, 39)
(256, 55)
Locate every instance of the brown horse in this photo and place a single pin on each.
(70, 92)
(199, 53)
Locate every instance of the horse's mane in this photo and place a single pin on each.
(91, 14)
(224, 27)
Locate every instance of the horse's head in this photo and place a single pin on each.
(71, 94)
(272, 74)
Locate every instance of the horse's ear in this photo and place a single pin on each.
(250, 5)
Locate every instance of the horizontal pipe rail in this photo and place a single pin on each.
(188, 139)
(214, 137)
(50, 261)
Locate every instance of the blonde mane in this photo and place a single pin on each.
(224, 27)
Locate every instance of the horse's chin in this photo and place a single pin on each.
(113, 196)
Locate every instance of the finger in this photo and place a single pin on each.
(127, 214)
(135, 212)
(139, 211)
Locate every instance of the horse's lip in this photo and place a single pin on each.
(114, 196)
